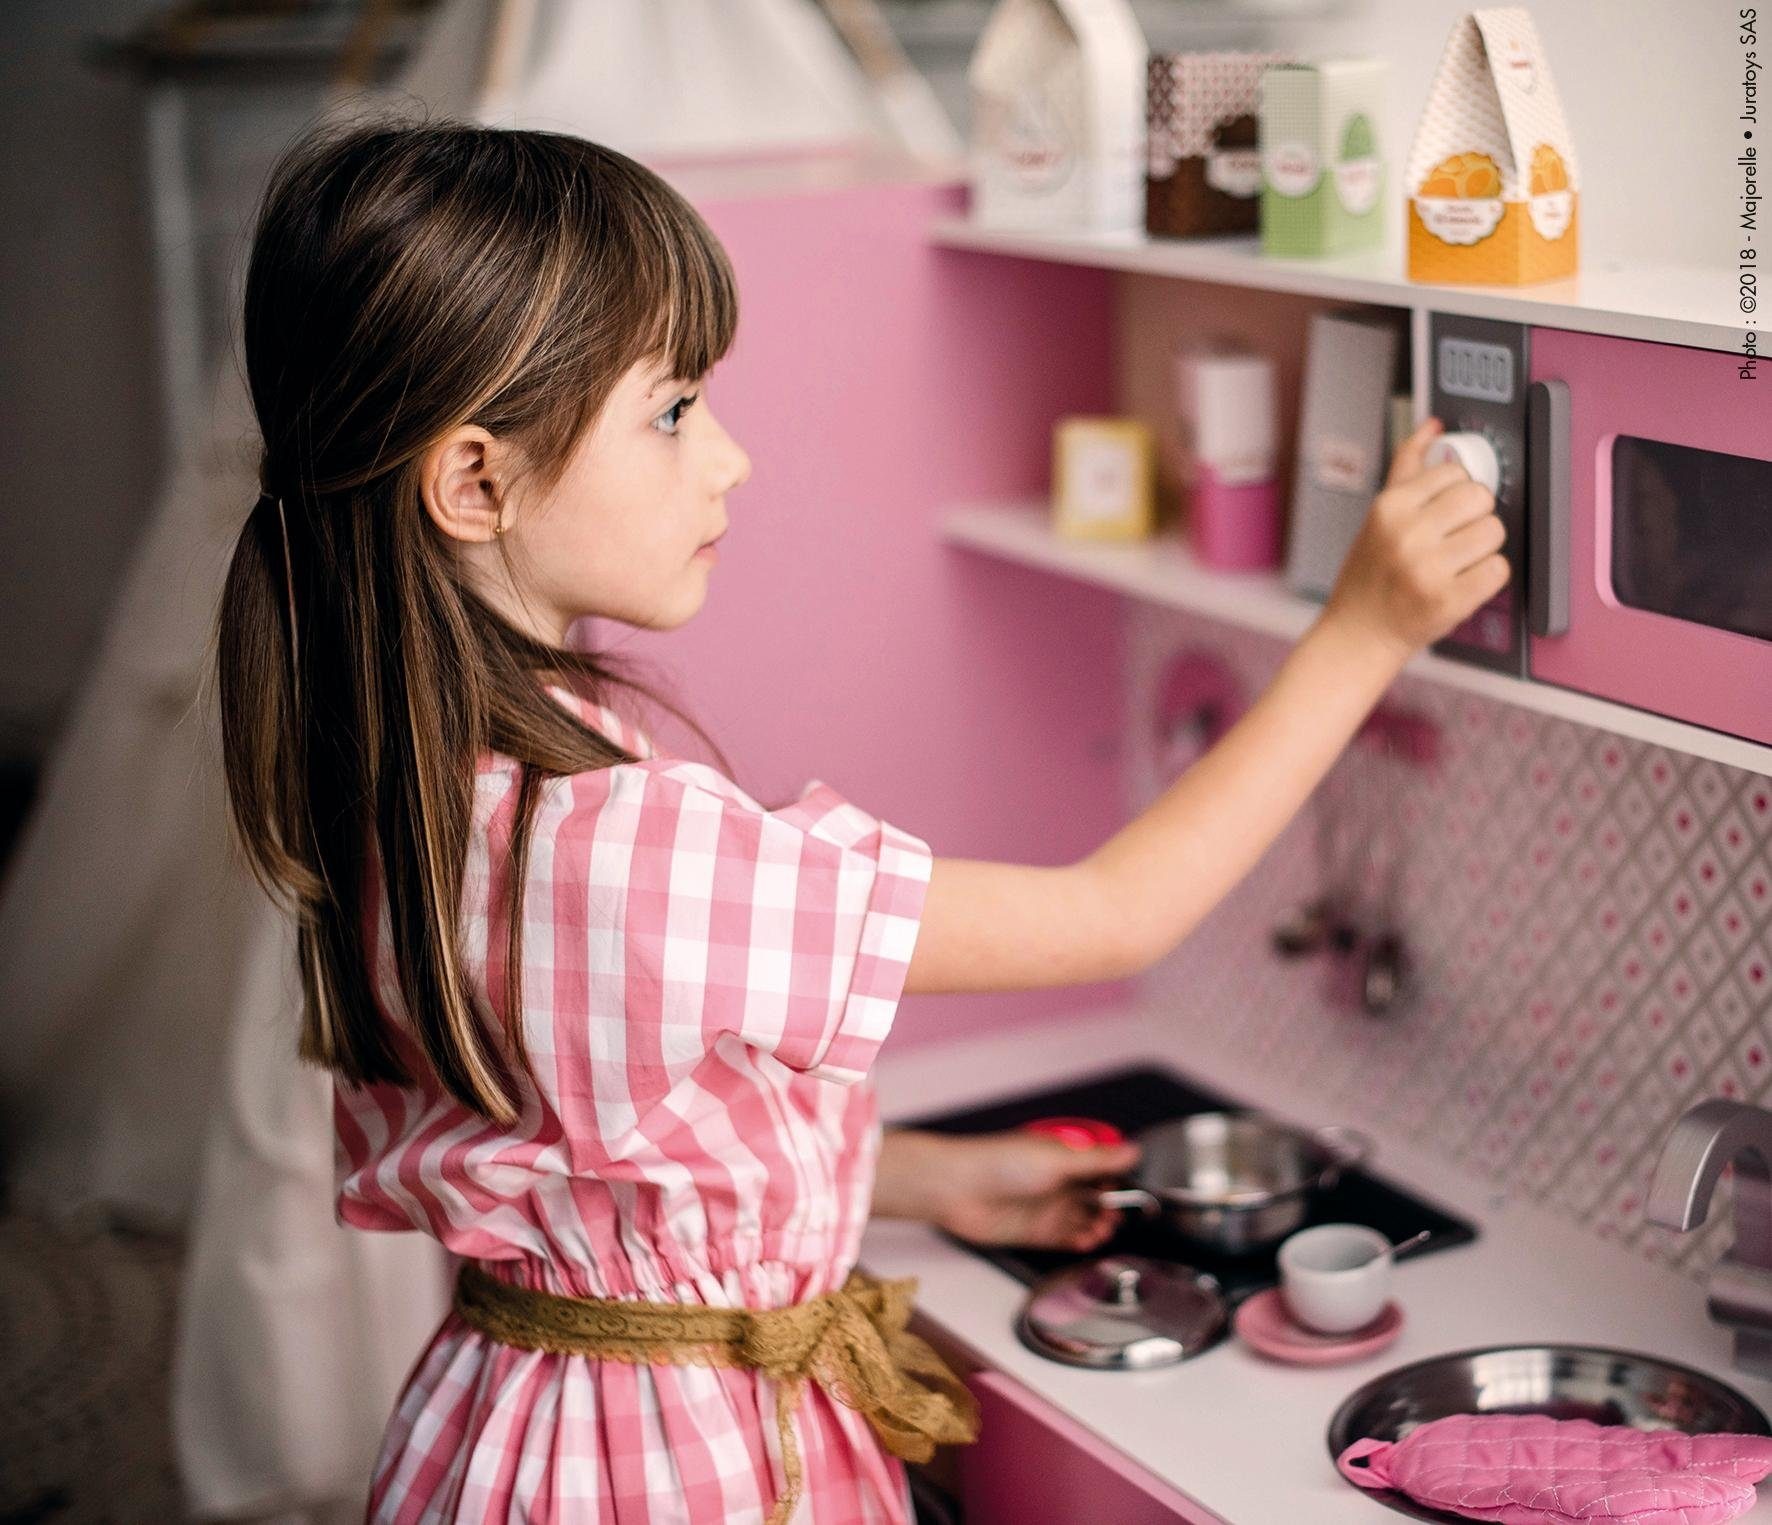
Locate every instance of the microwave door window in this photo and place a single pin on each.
(1692, 534)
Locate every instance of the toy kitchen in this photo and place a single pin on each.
(1434, 1110)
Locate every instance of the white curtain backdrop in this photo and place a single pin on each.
(677, 78)
(150, 1057)
(296, 1332)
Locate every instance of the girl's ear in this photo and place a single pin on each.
(461, 480)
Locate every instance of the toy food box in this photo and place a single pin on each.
(1057, 137)
(1356, 361)
(1491, 178)
(1104, 478)
(1227, 407)
(1203, 169)
(1322, 173)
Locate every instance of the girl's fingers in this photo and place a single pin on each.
(1094, 1239)
(1426, 485)
(1411, 454)
(1480, 583)
(1458, 505)
(1099, 1160)
(1467, 546)
(1092, 1232)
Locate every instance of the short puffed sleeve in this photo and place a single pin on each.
(707, 915)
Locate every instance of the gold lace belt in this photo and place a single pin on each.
(853, 1343)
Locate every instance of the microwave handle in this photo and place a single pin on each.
(1547, 508)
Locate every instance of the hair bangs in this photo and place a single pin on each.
(698, 306)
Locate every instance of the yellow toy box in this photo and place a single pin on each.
(1491, 178)
(1104, 478)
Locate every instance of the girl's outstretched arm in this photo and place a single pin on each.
(1426, 558)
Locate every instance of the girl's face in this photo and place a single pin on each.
(626, 533)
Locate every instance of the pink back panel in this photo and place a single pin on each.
(1660, 392)
(1035, 1465)
(875, 381)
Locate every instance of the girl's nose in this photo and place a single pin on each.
(738, 465)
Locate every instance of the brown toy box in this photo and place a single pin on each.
(1203, 173)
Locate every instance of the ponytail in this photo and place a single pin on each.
(259, 671)
(256, 659)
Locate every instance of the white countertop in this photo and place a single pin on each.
(1243, 1436)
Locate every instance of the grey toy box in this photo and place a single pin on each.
(1356, 360)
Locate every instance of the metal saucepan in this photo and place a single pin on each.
(1235, 1181)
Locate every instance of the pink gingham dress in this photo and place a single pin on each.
(705, 986)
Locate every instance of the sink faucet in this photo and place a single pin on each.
(1714, 1134)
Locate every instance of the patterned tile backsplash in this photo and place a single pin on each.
(1590, 924)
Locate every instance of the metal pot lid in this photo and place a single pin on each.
(1123, 1312)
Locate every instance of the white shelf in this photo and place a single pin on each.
(1163, 571)
(1670, 304)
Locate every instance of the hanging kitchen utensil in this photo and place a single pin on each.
(1318, 923)
(1358, 866)
(1123, 1312)
(1407, 745)
(1385, 966)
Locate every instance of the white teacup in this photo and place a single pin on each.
(1336, 1277)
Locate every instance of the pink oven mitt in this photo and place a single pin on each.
(1529, 1469)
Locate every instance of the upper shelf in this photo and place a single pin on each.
(1163, 571)
(1670, 304)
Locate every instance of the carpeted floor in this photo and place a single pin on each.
(86, 1321)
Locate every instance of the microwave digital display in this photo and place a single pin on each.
(1692, 534)
(1481, 372)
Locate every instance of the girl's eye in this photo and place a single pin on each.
(675, 412)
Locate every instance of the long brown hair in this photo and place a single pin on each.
(406, 279)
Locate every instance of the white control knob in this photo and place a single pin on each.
(1471, 451)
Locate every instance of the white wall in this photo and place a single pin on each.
(1651, 89)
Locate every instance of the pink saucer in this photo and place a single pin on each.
(1264, 1325)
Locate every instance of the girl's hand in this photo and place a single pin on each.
(1426, 557)
(1011, 1188)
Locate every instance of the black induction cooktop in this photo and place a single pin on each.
(1135, 1099)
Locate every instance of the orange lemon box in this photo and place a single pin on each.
(1491, 177)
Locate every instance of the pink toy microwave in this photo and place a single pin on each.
(1649, 508)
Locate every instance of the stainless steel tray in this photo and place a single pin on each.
(1564, 1381)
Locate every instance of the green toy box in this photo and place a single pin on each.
(1322, 168)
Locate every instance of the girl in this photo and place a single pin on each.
(601, 1022)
